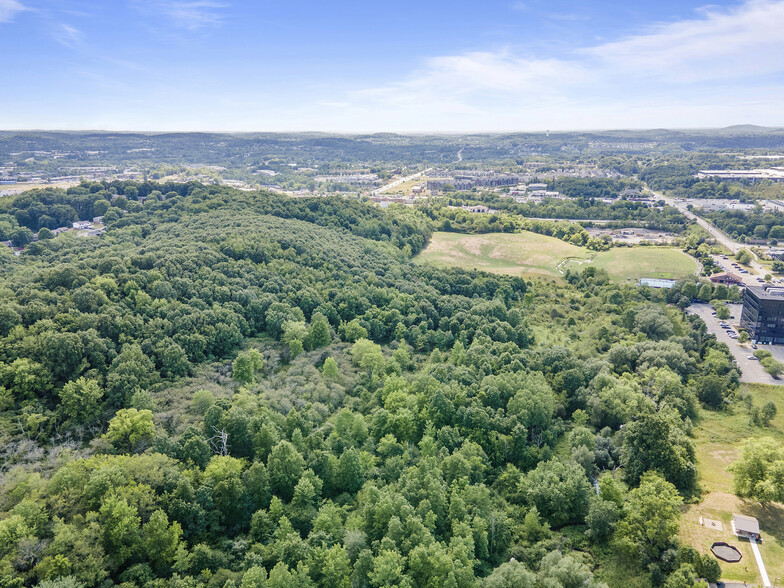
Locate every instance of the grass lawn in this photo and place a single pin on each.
(527, 253)
(502, 253)
(719, 436)
(406, 187)
(27, 186)
(631, 263)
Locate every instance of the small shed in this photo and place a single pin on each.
(744, 526)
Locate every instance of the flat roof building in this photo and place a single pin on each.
(763, 314)
(745, 526)
(657, 282)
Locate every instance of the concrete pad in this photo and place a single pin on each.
(711, 524)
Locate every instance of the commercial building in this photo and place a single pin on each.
(773, 174)
(726, 278)
(763, 314)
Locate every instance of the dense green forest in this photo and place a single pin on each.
(680, 180)
(625, 212)
(591, 188)
(755, 224)
(237, 389)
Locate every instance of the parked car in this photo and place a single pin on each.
(752, 358)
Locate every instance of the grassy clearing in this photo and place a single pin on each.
(719, 436)
(24, 187)
(631, 263)
(503, 253)
(527, 253)
(406, 187)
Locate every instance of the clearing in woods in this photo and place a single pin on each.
(528, 253)
(719, 436)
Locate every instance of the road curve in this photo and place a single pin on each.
(717, 234)
(391, 185)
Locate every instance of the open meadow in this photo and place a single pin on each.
(719, 436)
(528, 253)
(503, 253)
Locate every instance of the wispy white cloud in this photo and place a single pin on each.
(190, 15)
(706, 67)
(746, 40)
(67, 35)
(9, 9)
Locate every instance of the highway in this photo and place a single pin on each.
(720, 237)
(391, 185)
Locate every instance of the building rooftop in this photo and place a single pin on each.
(657, 282)
(745, 524)
(725, 275)
(768, 293)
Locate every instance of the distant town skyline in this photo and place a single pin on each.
(347, 66)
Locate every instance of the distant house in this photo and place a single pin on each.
(61, 230)
(630, 193)
(727, 279)
(479, 209)
(97, 220)
(79, 225)
(744, 526)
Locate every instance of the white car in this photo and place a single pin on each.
(752, 358)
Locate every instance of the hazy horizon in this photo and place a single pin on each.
(740, 126)
(347, 67)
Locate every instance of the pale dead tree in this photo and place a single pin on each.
(537, 437)
(29, 549)
(220, 441)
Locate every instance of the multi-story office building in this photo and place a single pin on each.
(763, 314)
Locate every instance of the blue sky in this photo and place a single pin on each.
(408, 66)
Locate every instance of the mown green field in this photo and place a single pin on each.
(719, 437)
(630, 263)
(529, 253)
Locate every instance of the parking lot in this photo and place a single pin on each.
(749, 279)
(752, 371)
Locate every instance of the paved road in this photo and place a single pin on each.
(752, 371)
(760, 563)
(720, 237)
(574, 220)
(400, 181)
(748, 279)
